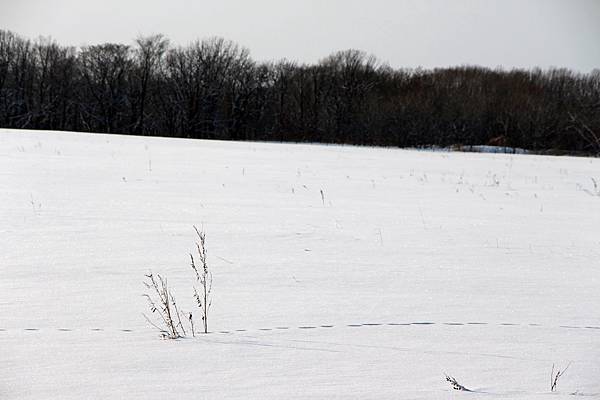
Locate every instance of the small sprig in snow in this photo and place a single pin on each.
(554, 377)
(455, 384)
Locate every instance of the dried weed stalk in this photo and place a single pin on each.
(455, 384)
(162, 303)
(554, 377)
(203, 277)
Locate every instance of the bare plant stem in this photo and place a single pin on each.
(455, 384)
(161, 302)
(204, 277)
(554, 377)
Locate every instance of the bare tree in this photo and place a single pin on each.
(105, 70)
(7, 59)
(212, 88)
(591, 138)
(148, 58)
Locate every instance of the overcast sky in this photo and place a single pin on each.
(404, 33)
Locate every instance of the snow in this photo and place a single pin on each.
(413, 265)
(494, 149)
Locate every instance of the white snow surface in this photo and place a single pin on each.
(497, 254)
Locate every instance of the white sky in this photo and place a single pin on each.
(405, 33)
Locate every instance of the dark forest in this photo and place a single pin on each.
(213, 89)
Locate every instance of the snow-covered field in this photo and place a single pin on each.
(413, 264)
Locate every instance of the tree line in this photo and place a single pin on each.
(213, 89)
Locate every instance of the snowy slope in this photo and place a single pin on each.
(416, 264)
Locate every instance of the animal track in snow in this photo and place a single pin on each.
(330, 326)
